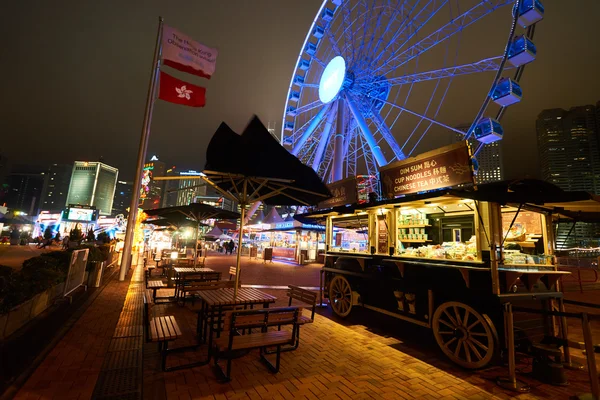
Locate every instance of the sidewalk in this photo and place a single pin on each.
(71, 369)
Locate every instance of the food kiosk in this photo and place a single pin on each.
(445, 254)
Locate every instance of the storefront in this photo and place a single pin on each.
(449, 255)
(294, 241)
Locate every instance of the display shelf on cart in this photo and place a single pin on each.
(413, 226)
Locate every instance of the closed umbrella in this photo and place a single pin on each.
(258, 168)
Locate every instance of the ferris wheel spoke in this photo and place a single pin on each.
(486, 65)
(455, 26)
(368, 13)
(314, 123)
(323, 139)
(414, 25)
(308, 107)
(347, 31)
(367, 134)
(387, 135)
(424, 117)
(397, 10)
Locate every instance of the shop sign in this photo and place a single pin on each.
(382, 235)
(343, 191)
(445, 167)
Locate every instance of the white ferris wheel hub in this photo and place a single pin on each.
(332, 79)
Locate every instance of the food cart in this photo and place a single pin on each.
(449, 258)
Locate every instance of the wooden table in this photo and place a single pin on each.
(214, 303)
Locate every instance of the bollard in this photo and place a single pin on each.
(320, 303)
(511, 382)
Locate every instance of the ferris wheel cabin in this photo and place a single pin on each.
(507, 92)
(530, 12)
(522, 51)
(488, 130)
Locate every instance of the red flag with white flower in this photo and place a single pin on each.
(177, 91)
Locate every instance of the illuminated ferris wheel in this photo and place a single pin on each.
(380, 80)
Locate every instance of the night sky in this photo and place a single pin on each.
(74, 76)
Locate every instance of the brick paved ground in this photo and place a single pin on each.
(336, 359)
(71, 369)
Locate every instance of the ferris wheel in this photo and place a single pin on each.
(378, 81)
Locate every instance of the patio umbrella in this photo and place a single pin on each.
(195, 212)
(254, 167)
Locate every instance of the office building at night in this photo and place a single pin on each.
(93, 184)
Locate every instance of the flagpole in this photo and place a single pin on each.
(137, 182)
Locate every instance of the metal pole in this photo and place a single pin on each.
(196, 245)
(239, 252)
(564, 333)
(591, 359)
(243, 205)
(135, 198)
(320, 303)
(511, 382)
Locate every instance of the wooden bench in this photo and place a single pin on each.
(189, 282)
(160, 329)
(238, 320)
(307, 297)
(232, 273)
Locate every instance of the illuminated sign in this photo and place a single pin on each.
(445, 167)
(192, 173)
(81, 214)
(154, 158)
(296, 224)
(343, 192)
(332, 79)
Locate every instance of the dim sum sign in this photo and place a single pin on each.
(444, 167)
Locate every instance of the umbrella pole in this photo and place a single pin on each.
(239, 252)
(196, 245)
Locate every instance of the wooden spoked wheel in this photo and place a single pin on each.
(464, 335)
(340, 296)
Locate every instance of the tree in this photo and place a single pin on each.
(75, 234)
(90, 235)
(48, 233)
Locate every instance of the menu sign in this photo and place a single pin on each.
(444, 167)
(382, 235)
(343, 191)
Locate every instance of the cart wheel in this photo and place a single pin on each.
(465, 336)
(340, 296)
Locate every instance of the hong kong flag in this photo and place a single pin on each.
(177, 91)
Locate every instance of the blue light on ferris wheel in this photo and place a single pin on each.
(332, 79)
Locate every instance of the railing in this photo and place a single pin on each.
(576, 266)
(511, 381)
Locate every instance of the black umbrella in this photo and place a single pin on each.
(254, 167)
(195, 213)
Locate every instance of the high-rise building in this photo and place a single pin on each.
(568, 148)
(491, 167)
(152, 191)
(189, 188)
(122, 201)
(25, 186)
(570, 158)
(169, 198)
(93, 184)
(56, 188)
(4, 170)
